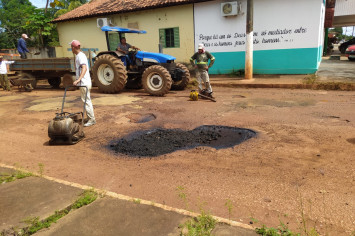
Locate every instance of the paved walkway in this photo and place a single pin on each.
(22, 200)
(330, 72)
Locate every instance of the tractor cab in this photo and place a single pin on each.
(121, 31)
(157, 73)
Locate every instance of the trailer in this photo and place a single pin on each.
(26, 72)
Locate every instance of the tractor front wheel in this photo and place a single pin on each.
(156, 80)
(181, 84)
(109, 74)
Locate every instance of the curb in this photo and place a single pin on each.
(128, 198)
(316, 86)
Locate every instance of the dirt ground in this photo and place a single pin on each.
(299, 167)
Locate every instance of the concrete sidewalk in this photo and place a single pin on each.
(110, 214)
(332, 74)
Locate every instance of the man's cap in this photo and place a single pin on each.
(200, 46)
(74, 43)
(24, 36)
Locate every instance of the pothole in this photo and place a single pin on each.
(155, 142)
(141, 118)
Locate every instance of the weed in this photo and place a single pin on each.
(182, 195)
(237, 73)
(34, 224)
(41, 169)
(136, 200)
(87, 197)
(254, 220)
(192, 84)
(282, 230)
(17, 175)
(303, 218)
(230, 206)
(201, 225)
(21, 175)
(310, 79)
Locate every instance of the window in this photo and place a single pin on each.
(114, 40)
(169, 37)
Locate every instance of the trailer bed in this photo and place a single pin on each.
(46, 64)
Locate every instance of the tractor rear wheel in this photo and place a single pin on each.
(109, 74)
(156, 80)
(55, 82)
(181, 84)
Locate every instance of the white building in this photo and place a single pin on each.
(288, 35)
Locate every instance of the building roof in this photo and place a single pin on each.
(97, 8)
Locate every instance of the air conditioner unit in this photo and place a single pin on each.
(101, 22)
(230, 8)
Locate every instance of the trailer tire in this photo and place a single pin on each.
(181, 85)
(29, 76)
(156, 80)
(55, 82)
(109, 73)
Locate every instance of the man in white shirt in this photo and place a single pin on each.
(3, 73)
(83, 79)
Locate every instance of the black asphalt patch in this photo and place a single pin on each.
(155, 142)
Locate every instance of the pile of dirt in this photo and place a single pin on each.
(157, 142)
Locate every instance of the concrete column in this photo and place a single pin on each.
(249, 41)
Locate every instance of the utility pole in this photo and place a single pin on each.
(249, 44)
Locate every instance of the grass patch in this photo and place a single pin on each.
(334, 86)
(281, 230)
(85, 199)
(12, 177)
(310, 79)
(201, 225)
(34, 224)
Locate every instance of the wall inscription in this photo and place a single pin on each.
(235, 39)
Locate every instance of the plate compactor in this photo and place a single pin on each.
(66, 127)
(194, 95)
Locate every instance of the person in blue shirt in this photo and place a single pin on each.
(22, 47)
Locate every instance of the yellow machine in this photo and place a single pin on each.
(194, 95)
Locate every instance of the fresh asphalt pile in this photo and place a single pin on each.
(155, 142)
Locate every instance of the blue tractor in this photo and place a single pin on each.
(157, 73)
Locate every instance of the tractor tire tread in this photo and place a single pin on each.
(120, 74)
(181, 85)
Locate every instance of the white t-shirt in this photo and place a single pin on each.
(3, 68)
(80, 60)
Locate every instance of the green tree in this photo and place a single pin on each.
(65, 6)
(43, 32)
(13, 15)
(336, 30)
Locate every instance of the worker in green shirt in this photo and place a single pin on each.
(201, 57)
